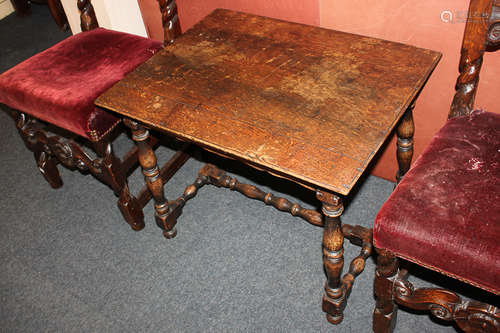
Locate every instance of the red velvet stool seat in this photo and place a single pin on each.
(60, 84)
(445, 213)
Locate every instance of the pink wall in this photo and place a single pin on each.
(191, 11)
(412, 22)
(417, 23)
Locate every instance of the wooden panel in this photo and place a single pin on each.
(306, 103)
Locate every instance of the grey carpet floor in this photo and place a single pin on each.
(69, 263)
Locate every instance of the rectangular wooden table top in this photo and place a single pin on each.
(305, 103)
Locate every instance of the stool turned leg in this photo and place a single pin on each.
(385, 313)
(148, 162)
(405, 132)
(334, 299)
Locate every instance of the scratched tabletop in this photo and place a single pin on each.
(309, 104)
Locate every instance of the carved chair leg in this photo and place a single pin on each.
(405, 132)
(47, 165)
(57, 11)
(385, 313)
(131, 209)
(113, 174)
(149, 165)
(392, 286)
(22, 7)
(46, 162)
(334, 299)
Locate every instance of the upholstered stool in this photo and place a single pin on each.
(59, 86)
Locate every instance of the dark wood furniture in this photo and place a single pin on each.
(31, 83)
(303, 103)
(445, 213)
(22, 8)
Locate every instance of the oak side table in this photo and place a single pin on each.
(303, 103)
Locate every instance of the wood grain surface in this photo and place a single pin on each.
(305, 103)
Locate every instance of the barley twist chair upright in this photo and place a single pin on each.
(445, 214)
(58, 86)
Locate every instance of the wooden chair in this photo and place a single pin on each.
(59, 85)
(445, 213)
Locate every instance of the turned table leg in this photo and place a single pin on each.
(405, 131)
(334, 299)
(151, 171)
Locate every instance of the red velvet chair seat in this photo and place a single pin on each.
(445, 213)
(60, 84)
